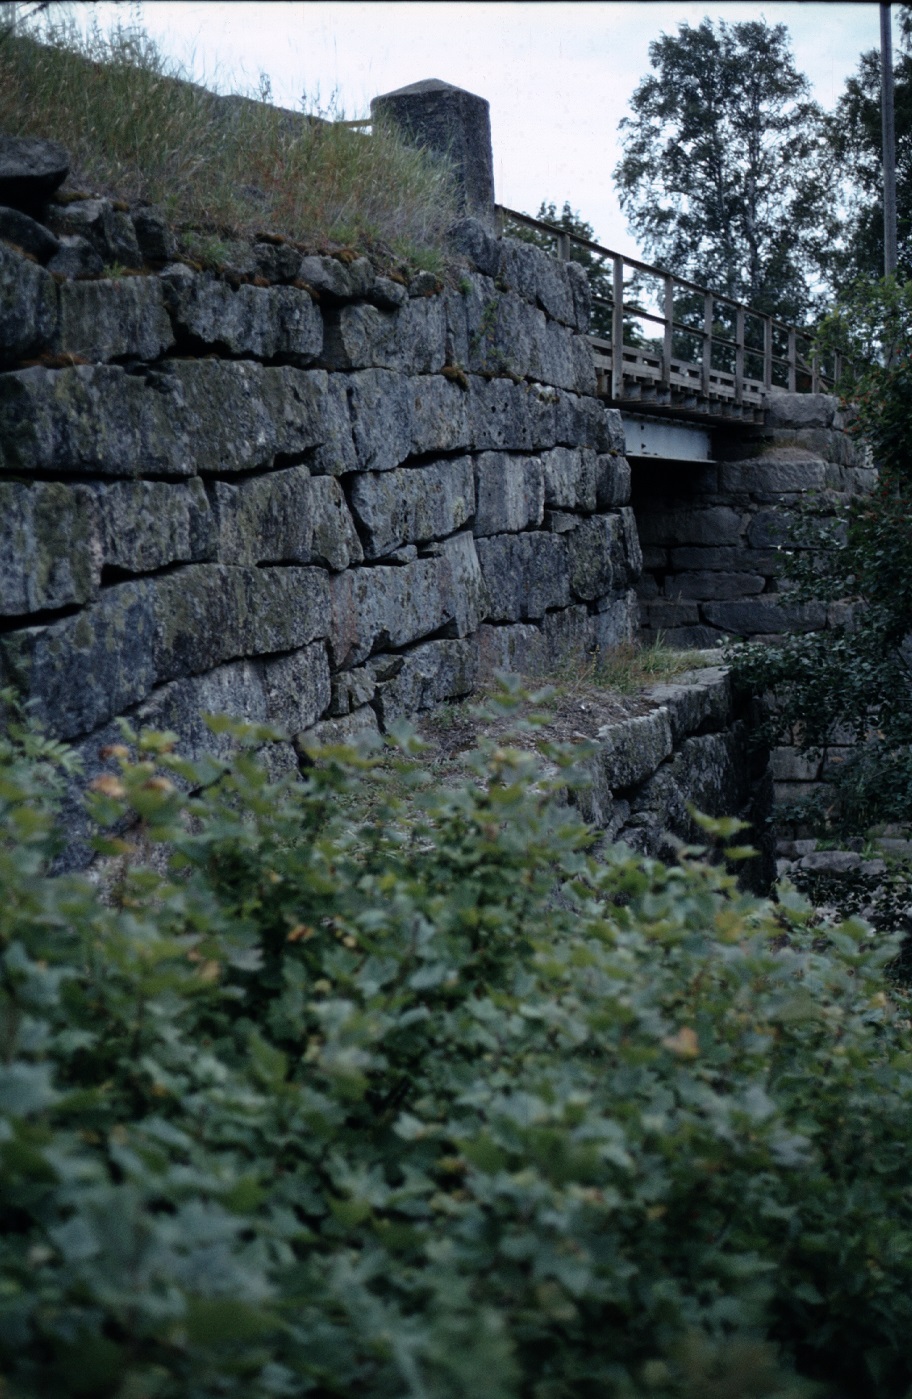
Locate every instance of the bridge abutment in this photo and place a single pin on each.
(715, 534)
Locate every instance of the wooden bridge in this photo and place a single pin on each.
(666, 347)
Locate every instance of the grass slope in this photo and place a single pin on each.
(137, 129)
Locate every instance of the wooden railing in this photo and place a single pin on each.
(711, 356)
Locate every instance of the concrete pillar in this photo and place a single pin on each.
(455, 123)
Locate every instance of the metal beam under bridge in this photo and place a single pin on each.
(667, 441)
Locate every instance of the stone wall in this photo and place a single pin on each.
(300, 491)
(317, 493)
(712, 534)
(692, 749)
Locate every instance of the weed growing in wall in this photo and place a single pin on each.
(629, 666)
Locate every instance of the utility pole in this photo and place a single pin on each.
(889, 140)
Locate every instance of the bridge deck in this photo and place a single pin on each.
(684, 351)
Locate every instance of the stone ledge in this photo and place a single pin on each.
(630, 751)
(700, 701)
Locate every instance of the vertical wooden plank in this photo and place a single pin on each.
(815, 372)
(707, 340)
(563, 247)
(617, 329)
(792, 362)
(739, 355)
(667, 339)
(767, 353)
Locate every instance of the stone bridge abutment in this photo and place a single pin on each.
(713, 533)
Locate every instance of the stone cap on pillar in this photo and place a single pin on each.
(451, 122)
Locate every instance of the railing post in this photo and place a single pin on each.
(767, 353)
(815, 372)
(667, 339)
(707, 341)
(739, 355)
(617, 330)
(563, 247)
(792, 361)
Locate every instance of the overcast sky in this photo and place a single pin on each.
(558, 76)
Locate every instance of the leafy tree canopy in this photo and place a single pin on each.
(722, 178)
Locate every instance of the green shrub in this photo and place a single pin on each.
(431, 1105)
(137, 129)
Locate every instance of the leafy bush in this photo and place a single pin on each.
(137, 129)
(434, 1104)
(857, 676)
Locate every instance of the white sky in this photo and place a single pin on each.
(558, 76)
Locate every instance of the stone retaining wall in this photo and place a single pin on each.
(692, 750)
(315, 492)
(299, 491)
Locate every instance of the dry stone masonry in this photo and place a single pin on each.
(452, 123)
(650, 760)
(692, 749)
(713, 537)
(299, 491)
(713, 534)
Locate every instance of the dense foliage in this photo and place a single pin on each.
(854, 680)
(726, 158)
(723, 177)
(339, 1092)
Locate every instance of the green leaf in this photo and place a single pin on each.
(217, 1321)
(350, 1213)
(270, 1065)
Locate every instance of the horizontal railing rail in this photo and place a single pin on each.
(704, 366)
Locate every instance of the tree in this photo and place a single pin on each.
(723, 178)
(855, 141)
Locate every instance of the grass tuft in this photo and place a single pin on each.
(629, 668)
(138, 129)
